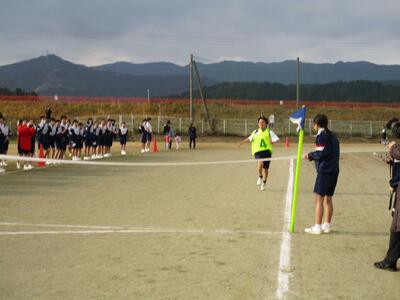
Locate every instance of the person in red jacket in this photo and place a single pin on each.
(25, 133)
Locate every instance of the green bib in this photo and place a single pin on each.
(260, 141)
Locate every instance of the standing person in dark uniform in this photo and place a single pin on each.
(393, 254)
(88, 138)
(42, 136)
(326, 157)
(192, 136)
(48, 112)
(167, 129)
(123, 137)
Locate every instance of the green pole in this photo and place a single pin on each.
(296, 180)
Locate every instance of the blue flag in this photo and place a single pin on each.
(299, 118)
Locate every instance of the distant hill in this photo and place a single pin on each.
(279, 72)
(49, 75)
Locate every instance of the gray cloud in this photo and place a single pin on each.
(96, 32)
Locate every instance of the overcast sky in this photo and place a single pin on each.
(94, 32)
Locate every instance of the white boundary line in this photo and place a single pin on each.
(114, 230)
(167, 164)
(284, 257)
(139, 164)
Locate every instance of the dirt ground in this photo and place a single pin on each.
(190, 232)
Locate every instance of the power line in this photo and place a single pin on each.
(242, 42)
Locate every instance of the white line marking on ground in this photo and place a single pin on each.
(139, 164)
(60, 225)
(140, 231)
(284, 258)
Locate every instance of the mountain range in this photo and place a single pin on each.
(50, 74)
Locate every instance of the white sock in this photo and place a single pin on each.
(318, 226)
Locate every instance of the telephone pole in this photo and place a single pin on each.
(297, 83)
(191, 87)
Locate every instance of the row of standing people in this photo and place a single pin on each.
(58, 136)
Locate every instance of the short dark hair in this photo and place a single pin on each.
(262, 118)
(321, 120)
(396, 130)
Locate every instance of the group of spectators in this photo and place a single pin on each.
(62, 138)
(59, 138)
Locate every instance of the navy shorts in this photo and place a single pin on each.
(43, 141)
(143, 138)
(52, 141)
(325, 183)
(122, 140)
(264, 154)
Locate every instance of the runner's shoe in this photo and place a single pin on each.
(326, 228)
(313, 230)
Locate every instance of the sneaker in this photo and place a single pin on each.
(18, 165)
(47, 163)
(147, 150)
(94, 156)
(313, 230)
(259, 181)
(1, 163)
(326, 228)
(26, 167)
(142, 151)
(123, 152)
(384, 265)
(30, 167)
(86, 157)
(263, 186)
(2, 170)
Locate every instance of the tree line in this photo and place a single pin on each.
(351, 91)
(17, 92)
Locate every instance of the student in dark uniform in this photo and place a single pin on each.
(52, 136)
(143, 138)
(32, 152)
(88, 138)
(96, 132)
(61, 138)
(393, 253)
(101, 139)
(326, 157)
(42, 132)
(73, 133)
(20, 152)
(3, 136)
(192, 136)
(123, 137)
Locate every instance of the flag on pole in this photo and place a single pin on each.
(298, 118)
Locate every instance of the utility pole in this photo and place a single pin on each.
(202, 96)
(297, 83)
(191, 87)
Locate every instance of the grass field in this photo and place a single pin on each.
(191, 232)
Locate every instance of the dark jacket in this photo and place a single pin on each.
(327, 152)
(395, 154)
